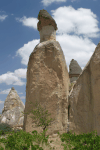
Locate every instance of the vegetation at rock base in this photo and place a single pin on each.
(4, 127)
(40, 117)
(22, 140)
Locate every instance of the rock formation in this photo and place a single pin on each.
(74, 70)
(47, 78)
(11, 112)
(84, 100)
(46, 26)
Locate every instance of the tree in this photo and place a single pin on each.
(40, 117)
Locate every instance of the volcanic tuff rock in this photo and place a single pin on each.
(46, 26)
(47, 83)
(45, 19)
(11, 112)
(84, 100)
(74, 70)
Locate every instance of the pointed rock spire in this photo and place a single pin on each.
(13, 106)
(74, 70)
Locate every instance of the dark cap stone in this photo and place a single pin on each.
(74, 67)
(45, 19)
(12, 88)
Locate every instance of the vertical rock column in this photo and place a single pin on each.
(47, 78)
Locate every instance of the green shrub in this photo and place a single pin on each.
(23, 140)
(5, 128)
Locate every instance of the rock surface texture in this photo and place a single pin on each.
(47, 81)
(11, 112)
(74, 70)
(84, 100)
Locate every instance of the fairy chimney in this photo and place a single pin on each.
(74, 70)
(47, 79)
(12, 111)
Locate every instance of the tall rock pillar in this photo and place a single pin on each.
(47, 78)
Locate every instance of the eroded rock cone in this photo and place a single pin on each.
(74, 70)
(47, 82)
(11, 112)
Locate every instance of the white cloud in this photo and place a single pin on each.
(2, 11)
(3, 17)
(80, 22)
(5, 91)
(20, 93)
(21, 73)
(74, 35)
(30, 22)
(48, 2)
(1, 102)
(25, 51)
(14, 78)
(22, 97)
(70, 21)
(73, 47)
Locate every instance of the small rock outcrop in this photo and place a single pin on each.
(74, 70)
(47, 79)
(11, 112)
(84, 100)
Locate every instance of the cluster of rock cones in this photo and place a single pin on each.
(49, 83)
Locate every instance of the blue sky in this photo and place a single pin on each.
(78, 33)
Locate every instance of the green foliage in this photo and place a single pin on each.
(39, 15)
(20, 140)
(45, 17)
(81, 141)
(39, 22)
(40, 117)
(4, 128)
(23, 140)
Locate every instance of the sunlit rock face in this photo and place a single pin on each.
(84, 99)
(47, 79)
